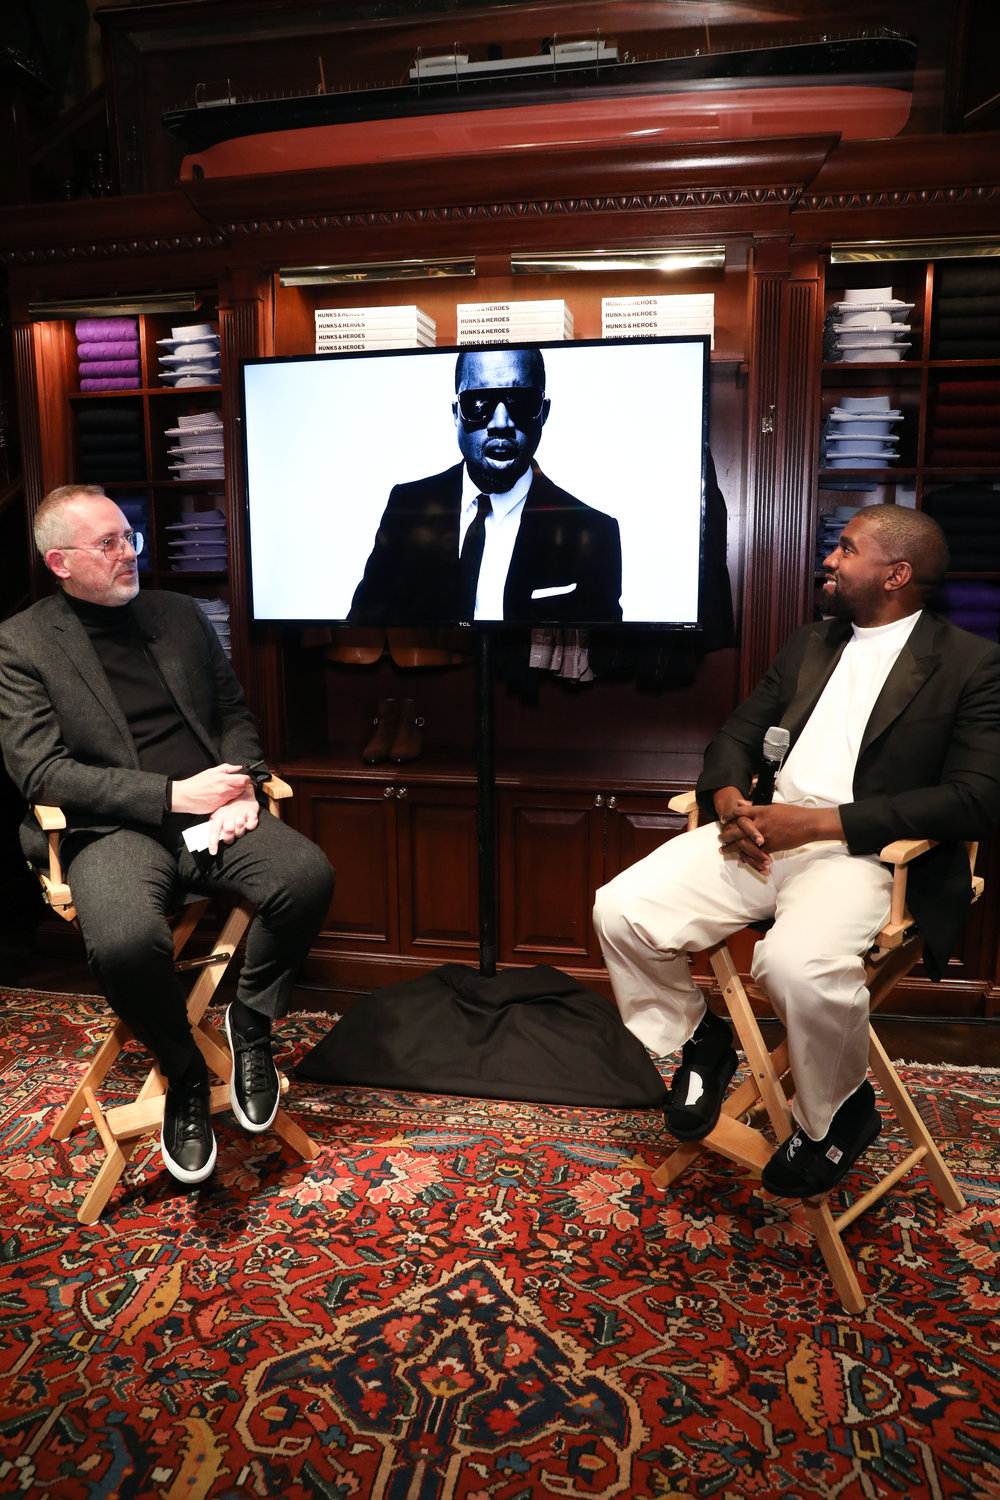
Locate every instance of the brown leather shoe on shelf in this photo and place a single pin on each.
(386, 723)
(406, 744)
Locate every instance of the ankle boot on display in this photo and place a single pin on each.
(406, 744)
(386, 723)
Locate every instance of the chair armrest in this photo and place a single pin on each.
(54, 888)
(276, 791)
(903, 851)
(50, 818)
(686, 804)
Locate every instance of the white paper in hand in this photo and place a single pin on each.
(196, 838)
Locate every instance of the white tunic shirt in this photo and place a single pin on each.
(819, 769)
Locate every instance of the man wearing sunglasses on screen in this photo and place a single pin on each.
(492, 538)
(121, 708)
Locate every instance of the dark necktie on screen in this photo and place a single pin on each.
(471, 559)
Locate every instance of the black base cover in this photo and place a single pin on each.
(531, 1034)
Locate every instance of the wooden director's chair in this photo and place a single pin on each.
(122, 1127)
(763, 1095)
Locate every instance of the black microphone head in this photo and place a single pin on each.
(776, 743)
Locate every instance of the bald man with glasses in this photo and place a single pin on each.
(121, 708)
(492, 538)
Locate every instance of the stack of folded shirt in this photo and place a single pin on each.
(974, 605)
(217, 612)
(198, 543)
(964, 425)
(858, 434)
(108, 354)
(198, 453)
(191, 356)
(828, 529)
(110, 442)
(869, 325)
(966, 322)
(969, 516)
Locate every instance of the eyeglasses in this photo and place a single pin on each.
(113, 547)
(523, 404)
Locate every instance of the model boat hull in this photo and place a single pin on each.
(860, 89)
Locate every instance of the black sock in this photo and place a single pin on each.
(194, 1073)
(250, 1024)
(855, 1110)
(712, 1025)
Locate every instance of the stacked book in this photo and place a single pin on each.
(869, 326)
(858, 434)
(198, 543)
(514, 322)
(356, 330)
(198, 453)
(191, 356)
(644, 317)
(217, 612)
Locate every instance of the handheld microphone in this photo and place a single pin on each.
(776, 742)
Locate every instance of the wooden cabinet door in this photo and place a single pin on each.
(551, 847)
(636, 825)
(438, 871)
(354, 823)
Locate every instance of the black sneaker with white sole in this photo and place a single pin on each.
(697, 1089)
(255, 1087)
(187, 1142)
(804, 1168)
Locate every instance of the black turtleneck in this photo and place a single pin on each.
(162, 739)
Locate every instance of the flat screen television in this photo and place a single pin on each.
(358, 466)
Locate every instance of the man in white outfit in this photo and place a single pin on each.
(894, 723)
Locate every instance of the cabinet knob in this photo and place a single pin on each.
(612, 802)
(402, 791)
(598, 800)
(388, 791)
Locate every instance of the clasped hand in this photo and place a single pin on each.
(755, 833)
(226, 795)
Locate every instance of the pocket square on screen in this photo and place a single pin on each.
(559, 588)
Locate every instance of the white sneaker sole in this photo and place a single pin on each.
(181, 1174)
(251, 1125)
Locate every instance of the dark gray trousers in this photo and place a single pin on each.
(125, 884)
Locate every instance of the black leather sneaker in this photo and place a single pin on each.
(804, 1168)
(697, 1089)
(254, 1085)
(187, 1142)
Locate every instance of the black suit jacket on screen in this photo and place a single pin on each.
(412, 574)
(929, 762)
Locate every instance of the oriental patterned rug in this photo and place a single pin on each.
(480, 1300)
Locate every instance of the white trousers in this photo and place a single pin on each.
(828, 907)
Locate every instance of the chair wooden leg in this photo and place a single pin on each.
(831, 1247)
(94, 1076)
(908, 1116)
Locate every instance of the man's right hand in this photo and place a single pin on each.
(739, 832)
(209, 790)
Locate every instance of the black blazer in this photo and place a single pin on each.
(412, 574)
(929, 762)
(64, 737)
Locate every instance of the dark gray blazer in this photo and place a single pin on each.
(63, 735)
(929, 762)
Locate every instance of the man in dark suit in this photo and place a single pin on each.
(894, 719)
(492, 538)
(122, 709)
